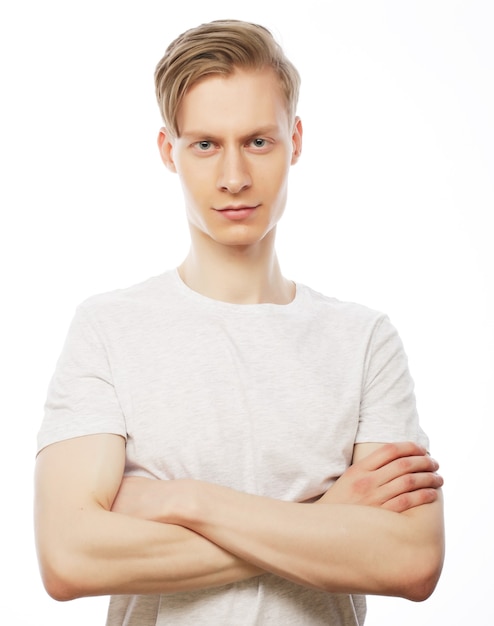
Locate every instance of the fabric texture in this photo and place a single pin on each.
(267, 399)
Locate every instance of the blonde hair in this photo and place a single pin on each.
(219, 47)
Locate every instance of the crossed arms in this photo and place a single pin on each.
(377, 530)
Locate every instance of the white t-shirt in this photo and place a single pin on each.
(267, 399)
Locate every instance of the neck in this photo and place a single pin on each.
(237, 274)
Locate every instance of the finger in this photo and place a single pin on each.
(367, 483)
(389, 452)
(408, 484)
(405, 466)
(409, 500)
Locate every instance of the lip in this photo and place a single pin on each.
(239, 212)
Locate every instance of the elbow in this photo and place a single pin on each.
(419, 580)
(59, 578)
(423, 557)
(420, 590)
(65, 565)
(58, 588)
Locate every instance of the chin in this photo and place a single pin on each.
(243, 240)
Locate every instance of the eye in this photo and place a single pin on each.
(204, 147)
(259, 142)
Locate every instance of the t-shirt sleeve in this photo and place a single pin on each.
(388, 410)
(81, 397)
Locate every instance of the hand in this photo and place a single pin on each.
(396, 477)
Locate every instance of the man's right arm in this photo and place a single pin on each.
(86, 549)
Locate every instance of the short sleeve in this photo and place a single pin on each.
(388, 408)
(81, 397)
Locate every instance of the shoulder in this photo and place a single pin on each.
(135, 299)
(340, 312)
(119, 313)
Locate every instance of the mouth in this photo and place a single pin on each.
(237, 212)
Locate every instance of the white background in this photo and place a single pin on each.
(389, 206)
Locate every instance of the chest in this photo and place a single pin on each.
(268, 410)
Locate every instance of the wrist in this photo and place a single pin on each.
(183, 504)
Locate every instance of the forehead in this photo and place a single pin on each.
(243, 100)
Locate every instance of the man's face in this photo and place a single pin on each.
(233, 155)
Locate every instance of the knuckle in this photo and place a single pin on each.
(412, 499)
(403, 502)
(362, 485)
(410, 482)
(404, 464)
(427, 496)
(392, 449)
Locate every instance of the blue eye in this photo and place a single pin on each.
(204, 145)
(259, 142)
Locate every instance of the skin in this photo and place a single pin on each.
(220, 164)
(380, 522)
(378, 529)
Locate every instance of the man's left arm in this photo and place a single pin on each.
(378, 531)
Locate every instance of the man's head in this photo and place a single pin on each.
(220, 48)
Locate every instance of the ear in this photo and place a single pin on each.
(165, 145)
(297, 140)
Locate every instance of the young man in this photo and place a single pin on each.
(220, 445)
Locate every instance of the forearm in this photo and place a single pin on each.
(339, 548)
(108, 553)
(86, 549)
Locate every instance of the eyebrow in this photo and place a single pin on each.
(257, 132)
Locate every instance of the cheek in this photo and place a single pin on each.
(195, 181)
(266, 166)
(274, 180)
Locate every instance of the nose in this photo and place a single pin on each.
(234, 175)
